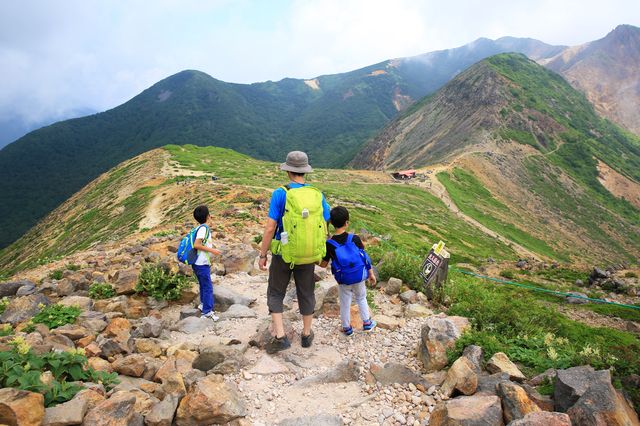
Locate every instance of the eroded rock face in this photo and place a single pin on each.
(515, 402)
(600, 405)
(210, 401)
(500, 363)
(119, 410)
(21, 408)
(439, 333)
(468, 411)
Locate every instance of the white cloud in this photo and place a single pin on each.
(60, 56)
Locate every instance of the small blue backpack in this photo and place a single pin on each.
(186, 253)
(351, 263)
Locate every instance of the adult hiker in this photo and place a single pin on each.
(295, 233)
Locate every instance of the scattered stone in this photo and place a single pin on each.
(500, 363)
(543, 401)
(409, 296)
(207, 360)
(439, 333)
(602, 404)
(541, 378)
(83, 302)
(163, 412)
(131, 365)
(396, 373)
(239, 259)
(193, 325)
(475, 355)
(387, 322)
(225, 297)
(10, 288)
(264, 333)
(59, 342)
(573, 382)
(210, 400)
(488, 384)
(189, 312)
(543, 418)
(268, 365)
(115, 411)
(26, 290)
(633, 327)
(579, 300)
(392, 286)
(415, 310)
(148, 327)
(462, 377)
(346, 371)
(118, 328)
(23, 308)
(107, 348)
(93, 397)
(69, 413)
(147, 346)
(125, 281)
(238, 311)
(468, 410)
(515, 401)
(317, 420)
(19, 407)
(73, 332)
(100, 364)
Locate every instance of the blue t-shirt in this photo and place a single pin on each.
(278, 201)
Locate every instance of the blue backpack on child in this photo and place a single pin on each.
(351, 263)
(186, 253)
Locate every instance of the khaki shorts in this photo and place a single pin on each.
(279, 276)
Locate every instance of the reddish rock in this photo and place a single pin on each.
(500, 363)
(119, 410)
(515, 402)
(468, 411)
(131, 365)
(543, 418)
(23, 408)
(210, 401)
(602, 405)
(461, 377)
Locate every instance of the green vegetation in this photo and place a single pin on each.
(54, 316)
(4, 302)
(157, 282)
(21, 368)
(630, 274)
(101, 291)
(507, 319)
(56, 275)
(476, 201)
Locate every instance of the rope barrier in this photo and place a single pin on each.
(525, 286)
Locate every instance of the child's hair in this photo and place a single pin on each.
(201, 213)
(339, 216)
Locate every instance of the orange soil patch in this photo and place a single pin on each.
(619, 185)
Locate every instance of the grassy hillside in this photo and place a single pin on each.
(329, 117)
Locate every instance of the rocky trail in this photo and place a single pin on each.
(175, 367)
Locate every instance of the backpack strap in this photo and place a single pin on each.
(349, 238)
(333, 243)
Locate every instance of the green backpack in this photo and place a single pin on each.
(304, 223)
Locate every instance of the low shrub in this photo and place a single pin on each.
(161, 284)
(56, 275)
(4, 302)
(55, 316)
(6, 330)
(508, 274)
(101, 291)
(22, 369)
(630, 274)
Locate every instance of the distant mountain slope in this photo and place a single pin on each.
(329, 117)
(608, 72)
(528, 145)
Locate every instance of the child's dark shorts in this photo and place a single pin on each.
(279, 276)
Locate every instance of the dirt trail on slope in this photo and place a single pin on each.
(434, 186)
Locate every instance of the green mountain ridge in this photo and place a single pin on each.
(329, 117)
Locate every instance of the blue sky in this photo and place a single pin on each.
(58, 57)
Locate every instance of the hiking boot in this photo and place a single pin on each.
(211, 316)
(347, 331)
(277, 345)
(369, 325)
(306, 340)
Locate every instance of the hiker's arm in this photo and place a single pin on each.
(267, 236)
(199, 246)
(324, 263)
(372, 277)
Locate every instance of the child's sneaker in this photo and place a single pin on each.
(200, 307)
(347, 331)
(211, 316)
(369, 325)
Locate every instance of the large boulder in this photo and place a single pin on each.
(439, 334)
(119, 410)
(193, 325)
(601, 405)
(346, 371)
(515, 402)
(125, 281)
(163, 412)
(461, 377)
(468, 411)
(21, 408)
(10, 288)
(83, 302)
(239, 259)
(573, 382)
(396, 373)
(131, 365)
(66, 414)
(225, 297)
(392, 286)
(23, 308)
(210, 401)
(500, 363)
(238, 311)
(148, 327)
(543, 418)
